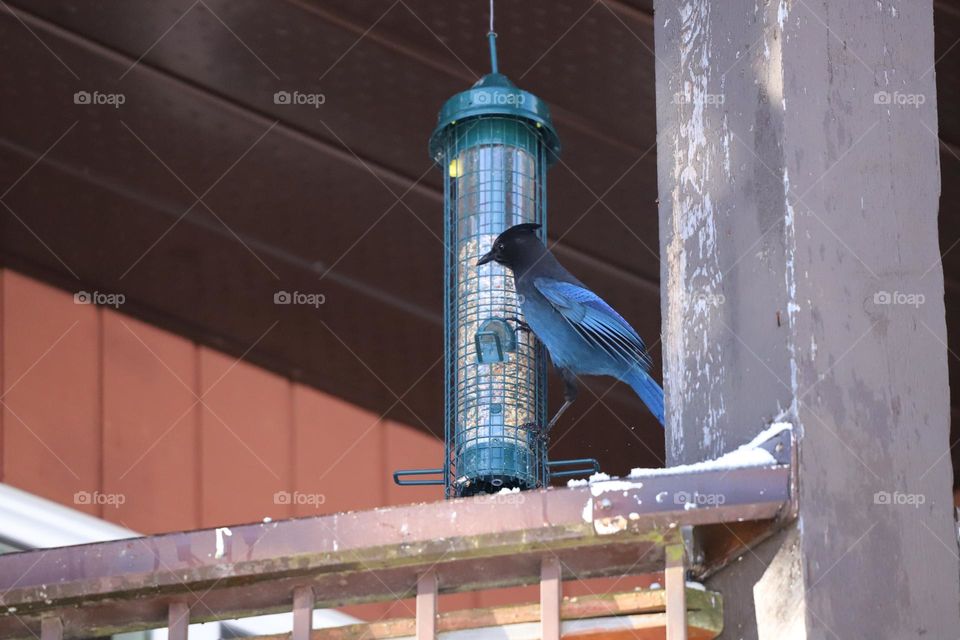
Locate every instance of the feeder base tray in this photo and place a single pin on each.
(490, 484)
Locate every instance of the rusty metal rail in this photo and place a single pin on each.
(616, 527)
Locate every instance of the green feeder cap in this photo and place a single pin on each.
(495, 95)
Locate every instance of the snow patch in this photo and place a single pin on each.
(604, 486)
(749, 455)
(221, 531)
(782, 13)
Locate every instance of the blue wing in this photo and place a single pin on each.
(595, 321)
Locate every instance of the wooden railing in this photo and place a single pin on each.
(615, 527)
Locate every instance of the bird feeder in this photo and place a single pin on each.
(494, 143)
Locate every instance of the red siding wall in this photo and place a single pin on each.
(150, 425)
(94, 400)
(52, 401)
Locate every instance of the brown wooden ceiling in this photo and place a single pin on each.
(200, 197)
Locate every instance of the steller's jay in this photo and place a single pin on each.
(582, 333)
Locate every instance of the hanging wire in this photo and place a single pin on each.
(492, 35)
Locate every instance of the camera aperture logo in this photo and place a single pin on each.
(299, 498)
(97, 297)
(95, 497)
(298, 98)
(298, 297)
(97, 98)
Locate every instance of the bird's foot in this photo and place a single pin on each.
(566, 405)
(521, 325)
(536, 430)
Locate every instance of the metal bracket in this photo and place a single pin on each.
(779, 446)
(399, 477)
(593, 467)
(782, 445)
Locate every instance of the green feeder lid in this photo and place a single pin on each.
(495, 95)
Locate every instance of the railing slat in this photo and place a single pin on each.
(427, 606)
(178, 620)
(51, 629)
(676, 588)
(551, 593)
(302, 613)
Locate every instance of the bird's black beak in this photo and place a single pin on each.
(487, 257)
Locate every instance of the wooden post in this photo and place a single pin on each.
(676, 592)
(51, 629)
(427, 606)
(551, 593)
(302, 613)
(801, 277)
(178, 620)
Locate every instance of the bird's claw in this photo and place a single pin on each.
(536, 430)
(521, 325)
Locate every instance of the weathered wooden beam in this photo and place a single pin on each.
(377, 555)
(705, 617)
(798, 190)
(628, 627)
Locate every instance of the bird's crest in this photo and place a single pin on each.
(532, 227)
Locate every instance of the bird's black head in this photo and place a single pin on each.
(515, 246)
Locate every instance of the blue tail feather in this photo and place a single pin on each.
(648, 390)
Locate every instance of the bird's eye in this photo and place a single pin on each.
(499, 246)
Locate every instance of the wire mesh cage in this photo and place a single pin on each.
(495, 395)
(494, 143)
